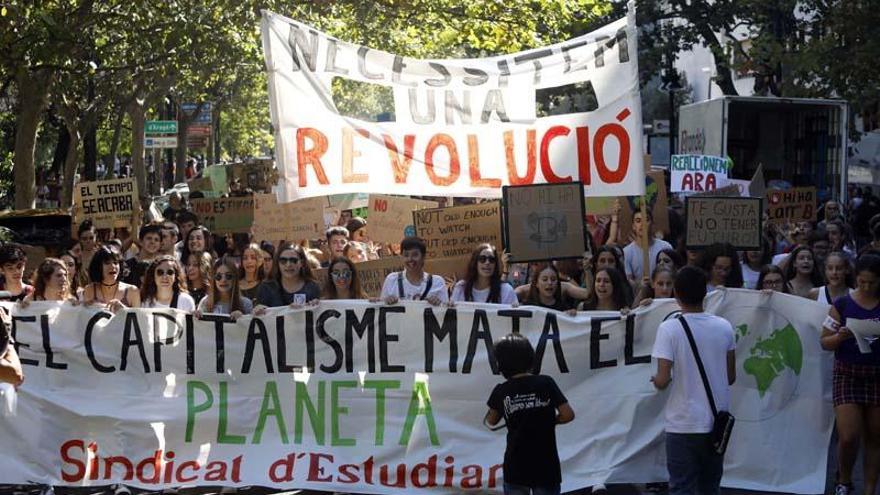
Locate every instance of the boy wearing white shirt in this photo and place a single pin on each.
(413, 283)
(693, 464)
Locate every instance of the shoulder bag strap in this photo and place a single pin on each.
(827, 295)
(427, 286)
(174, 299)
(400, 285)
(690, 336)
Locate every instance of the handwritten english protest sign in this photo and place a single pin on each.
(697, 173)
(391, 217)
(225, 215)
(457, 230)
(107, 203)
(797, 204)
(355, 397)
(735, 220)
(545, 221)
(463, 127)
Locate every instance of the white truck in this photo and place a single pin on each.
(802, 141)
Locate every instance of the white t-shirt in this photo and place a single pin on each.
(750, 277)
(185, 302)
(414, 292)
(632, 258)
(507, 296)
(687, 410)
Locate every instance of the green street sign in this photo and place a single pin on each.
(155, 127)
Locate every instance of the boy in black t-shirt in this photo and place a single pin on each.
(532, 406)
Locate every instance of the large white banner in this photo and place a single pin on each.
(358, 397)
(465, 127)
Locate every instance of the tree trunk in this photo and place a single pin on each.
(90, 136)
(60, 154)
(70, 166)
(114, 144)
(180, 158)
(723, 74)
(33, 92)
(136, 112)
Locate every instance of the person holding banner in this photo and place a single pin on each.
(225, 297)
(342, 280)
(165, 286)
(10, 366)
(482, 282)
(198, 274)
(545, 290)
(609, 292)
(51, 282)
(413, 283)
(291, 283)
(721, 262)
(856, 388)
(532, 406)
(771, 279)
(12, 264)
(251, 273)
(838, 277)
(802, 273)
(105, 286)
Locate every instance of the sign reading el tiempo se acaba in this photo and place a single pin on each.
(463, 127)
(107, 203)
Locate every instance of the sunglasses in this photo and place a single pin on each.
(220, 276)
(346, 274)
(285, 260)
(162, 273)
(485, 259)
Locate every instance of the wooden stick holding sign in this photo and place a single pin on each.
(645, 241)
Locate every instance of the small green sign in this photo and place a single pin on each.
(155, 127)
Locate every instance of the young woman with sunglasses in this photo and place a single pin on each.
(342, 280)
(482, 282)
(225, 297)
(291, 283)
(105, 286)
(165, 286)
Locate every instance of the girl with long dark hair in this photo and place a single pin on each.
(342, 280)
(165, 285)
(482, 282)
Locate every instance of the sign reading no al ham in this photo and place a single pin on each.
(463, 127)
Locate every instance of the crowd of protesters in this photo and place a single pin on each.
(178, 263)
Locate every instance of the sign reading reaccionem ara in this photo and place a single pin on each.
(458, 127)
(359, 397)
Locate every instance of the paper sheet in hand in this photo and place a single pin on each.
(864, 330)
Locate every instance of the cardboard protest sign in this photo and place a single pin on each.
(797, 204)
(544, 222)
(462, 127)
(258, 174)
(204, 185)
(734, 220)
(107, 203)
(272, 221)
(457, 230)
(697, 173)
(225, 215)
(391, 217)
(658, 203)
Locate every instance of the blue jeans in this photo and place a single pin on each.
(511, 489)
(694, 467)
